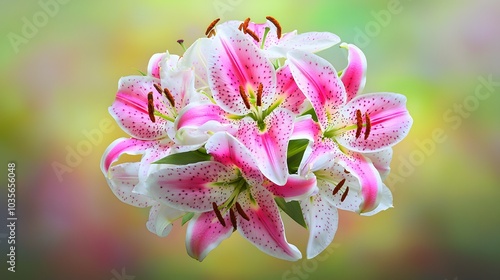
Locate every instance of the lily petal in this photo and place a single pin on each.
(205, 232)
(195, 58)
(288, 90)
(154, 65)
(368, 176)
(191, 187)
(265, 228)
(130, 108)
(354, 75)
(385, 202)
(122, 146)
(122, 180)
(322, 220)
(382, 161)
(319, 82)
(161, 218)
(296, 188)
(310, 42)
(269, 147)
(198, 114)
(231, 152)
(236, 61)
(390, 121)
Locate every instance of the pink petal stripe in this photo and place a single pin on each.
(123, 146)
(265, 228)
(198, 114)
(296, 188)
(318, 81)
(231, 152)
(154, 65)
(236, 61)
(130, 108)
(354, 75)
(390, 121)
(205, 232)
(189, 187)
(269, 148)
(287, 88)
(369, 179)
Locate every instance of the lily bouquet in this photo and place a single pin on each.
(250, 124)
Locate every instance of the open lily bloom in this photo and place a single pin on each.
(227, 194)
(382, 117)
(243, 86)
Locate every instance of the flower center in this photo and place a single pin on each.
(358, 126)
(231, 204)
(171, 101)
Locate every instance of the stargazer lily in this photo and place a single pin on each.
(338, 187)
(244, 88)
(227, 194)
(382, 117)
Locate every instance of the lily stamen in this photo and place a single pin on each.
(169, 96)
(244, 97)
(151, 107)
(368, 126)
(252, 34)
(346, 172)
(241, 212)
(359, 123)
(337, 188)
(233, 218)
(218, 214)
(245, 25)
(344, 195)
(259, 95)
(277, 24)
(212, 33)
(211, 26)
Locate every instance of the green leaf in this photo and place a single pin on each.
(187, 217)
(294, 154)
(312, 113)
(292, 209)
(184, 158)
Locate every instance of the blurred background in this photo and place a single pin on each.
(60, 62)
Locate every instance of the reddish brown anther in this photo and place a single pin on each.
(277, 24)
(212, 33)
(244, 97)
(359, 123)
(346, 172)
(233, 218)
(241, 212)
(240, 28)
(151, 107)
(158, 88)
(259, 95)
(245, 25)
(337, 188)
(344, 195)
(252, 34)
(368, 126)
(211, 26)
(169, 96)
(218, 214)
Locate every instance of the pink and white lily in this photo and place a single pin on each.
(337, 156)
(227, 194)
(244, 88)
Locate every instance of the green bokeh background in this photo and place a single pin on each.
(57, 84)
